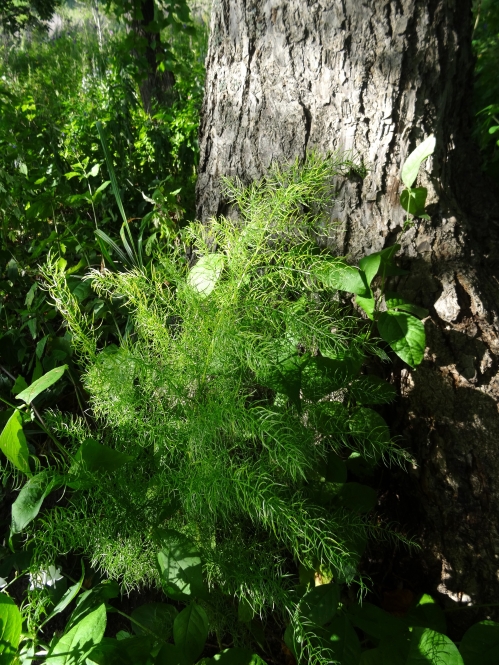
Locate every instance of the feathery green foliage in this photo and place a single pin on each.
(240, 381)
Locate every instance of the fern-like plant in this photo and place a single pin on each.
(238, 403)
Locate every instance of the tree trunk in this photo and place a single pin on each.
(377, 77)
(155, 84)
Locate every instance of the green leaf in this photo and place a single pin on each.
(394, 301)
(91, 599)
(480, 644)
(245, 612)
(169, 654)
(67, 598)
(357, 497)
(42, 384)
(190, 630)
(370, 431)
(375, 622)
(93, 456)
(321, 376)
(370, 265)
(13, 443)
(344, 644)
(427, 614)
(414, 200)
(421, 646)
(336, 470)
(180, 567)
(206, 273)
(371, 657)
(94, 170)
(29, 500)
(158, 618)
(405, 334)
(415, 159)
(236, 656)
(110, 168)
(372, 390)
(343, 277)
(367, 304)
(73, 647)
(136, 650)
(19, 385)
(319, 605)
(10, 629)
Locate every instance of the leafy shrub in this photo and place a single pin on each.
(234, 406)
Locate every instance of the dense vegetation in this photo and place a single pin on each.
(192, 416)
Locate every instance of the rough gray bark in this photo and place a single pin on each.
(377, 77)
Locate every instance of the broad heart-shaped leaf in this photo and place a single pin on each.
(394, 301)
(405, 334)
(421, 646)
(427, 614)
(13, 443)
(414, 200)
(73, 647)
(10, 629)
(367, 304)
(375, 622)
(206, 273)
(41, 384)
(93, 456)
(157, 618)
(415, 159)
(344, 643)
(372, 390)
(343, 277)
(29, 500)
(480, 644)
(236, 656)
(190, 630)
(319, 605)
(180, 566)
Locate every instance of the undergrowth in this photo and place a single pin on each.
(237, 398)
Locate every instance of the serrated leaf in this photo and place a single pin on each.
(30, 499)
(190, 630)
(480, 644)
(414, 200)
(42, 384)
(10, 629)
(405, 334)
(13, 443)
(415, 159)
(206, 273)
